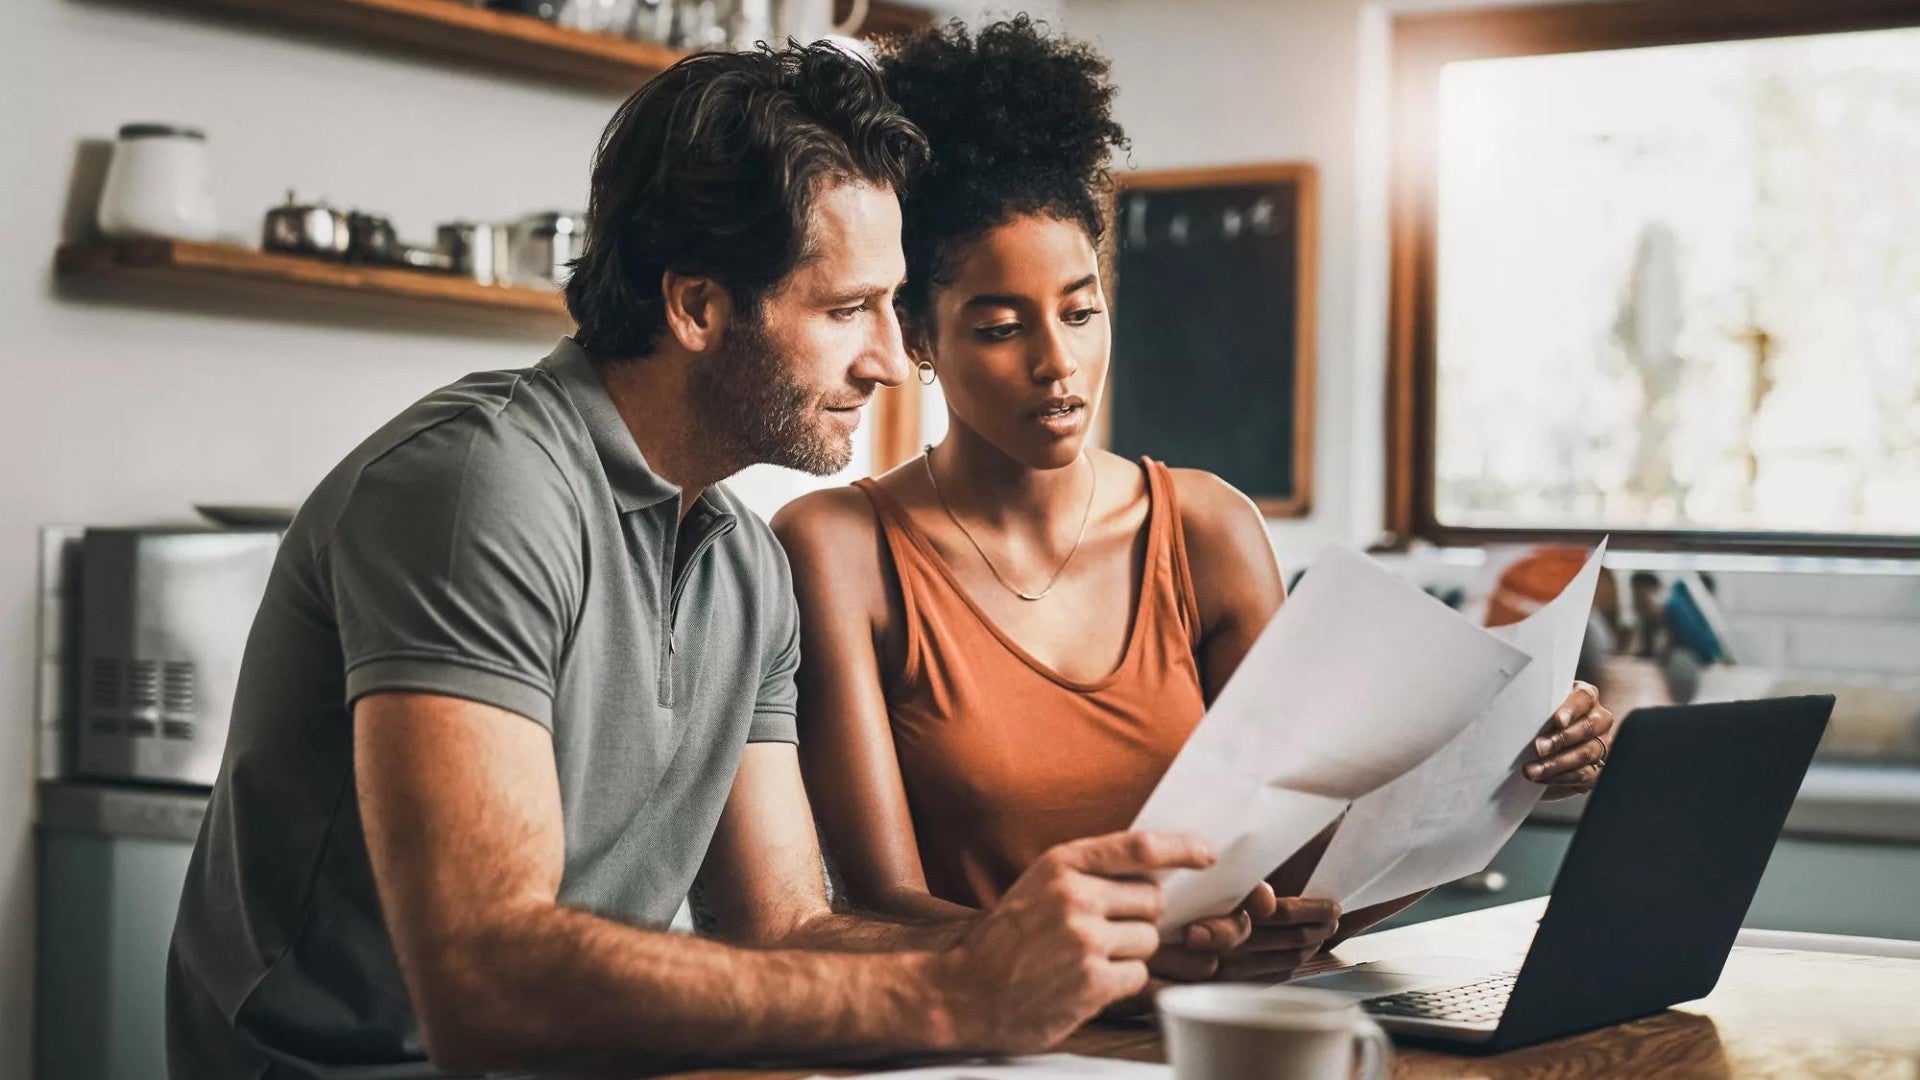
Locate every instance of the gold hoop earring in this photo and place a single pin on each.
(926, 373)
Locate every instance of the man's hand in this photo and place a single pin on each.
(1283, 937)
(1572, 748)
(1071, 936)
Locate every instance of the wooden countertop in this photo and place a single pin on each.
(1775, 1013)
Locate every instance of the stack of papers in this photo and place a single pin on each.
(1451, 814)
(1366, 695)
(1359, 677)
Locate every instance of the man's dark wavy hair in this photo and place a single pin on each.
(712, 168)
(1020, 122)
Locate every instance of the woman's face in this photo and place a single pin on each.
(1019, 339)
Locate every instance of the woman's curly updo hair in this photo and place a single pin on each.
(712, 169)
(1019, 122)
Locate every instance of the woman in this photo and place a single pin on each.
(1009, 638)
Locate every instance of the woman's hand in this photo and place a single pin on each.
(1271, 937)
(1572, 749)
(1197, 957)
(1266, 937)
(1282, 939)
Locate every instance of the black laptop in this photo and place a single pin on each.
(1668, 853)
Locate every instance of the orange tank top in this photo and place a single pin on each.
(1002, 756)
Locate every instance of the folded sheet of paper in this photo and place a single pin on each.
(1450, 815)
(1035, 1067)
(1359, 677)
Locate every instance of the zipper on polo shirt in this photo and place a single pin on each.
(663, 689)
(679, 587)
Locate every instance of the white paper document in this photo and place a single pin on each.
(1359, 677)
(1034, 1067)
(1450, 815)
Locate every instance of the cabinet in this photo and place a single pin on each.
(106, 914)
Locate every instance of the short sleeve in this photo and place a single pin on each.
(775, 707)
(456, 568)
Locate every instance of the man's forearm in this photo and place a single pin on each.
(556, 988)
(865, 932)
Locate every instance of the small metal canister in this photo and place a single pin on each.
(543, 245)
(478, 250)
(306, 229)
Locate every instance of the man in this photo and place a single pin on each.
(524, 673)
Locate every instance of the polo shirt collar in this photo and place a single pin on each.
(635, 486)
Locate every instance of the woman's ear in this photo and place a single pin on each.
(917, 341)
(698, 310)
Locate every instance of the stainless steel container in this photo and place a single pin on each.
(306, 229)
(478, 249)
(543, 246)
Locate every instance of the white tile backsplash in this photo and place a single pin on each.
(1879, 645)
(1761, 641)
(1872, 596)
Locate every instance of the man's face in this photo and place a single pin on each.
(791, 377)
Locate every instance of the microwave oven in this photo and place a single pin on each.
(164, 618)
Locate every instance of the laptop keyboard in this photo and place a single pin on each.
(1473, 1002)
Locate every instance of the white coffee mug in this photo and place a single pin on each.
(1241, 1032)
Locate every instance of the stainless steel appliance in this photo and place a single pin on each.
(164, 617)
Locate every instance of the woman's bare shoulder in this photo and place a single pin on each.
(1236, 577)
(1215, 513)
(825, 523)
(838, 555)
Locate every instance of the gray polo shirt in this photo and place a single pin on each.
(502, 541)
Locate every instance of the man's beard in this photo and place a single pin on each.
(759, 411)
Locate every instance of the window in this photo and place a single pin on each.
(1657, 272)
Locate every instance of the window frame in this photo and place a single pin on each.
(1423, 44)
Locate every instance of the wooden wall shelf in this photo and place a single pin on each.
(393, 291)
(500, 40)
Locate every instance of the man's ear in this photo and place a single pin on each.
(698, 310)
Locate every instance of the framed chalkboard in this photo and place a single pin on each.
(1213, 325)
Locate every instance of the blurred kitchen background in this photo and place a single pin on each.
(1495, 281)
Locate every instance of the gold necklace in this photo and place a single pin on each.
(1086, 515)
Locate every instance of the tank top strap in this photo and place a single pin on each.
(1167, 541)
(910, 569)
